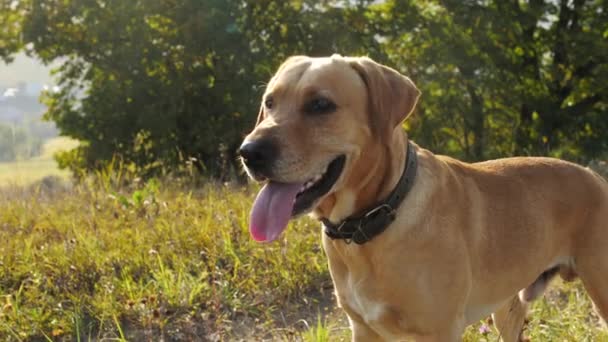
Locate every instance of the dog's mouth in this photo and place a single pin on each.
(278, 202)
(315, 188)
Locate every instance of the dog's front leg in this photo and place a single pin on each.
(451, 333)
(362, 332)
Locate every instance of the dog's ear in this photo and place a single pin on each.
(392, 96)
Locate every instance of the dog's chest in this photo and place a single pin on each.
(364, 299)
(360, 301)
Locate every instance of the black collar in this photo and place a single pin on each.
(363, 228)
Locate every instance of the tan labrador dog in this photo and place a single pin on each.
(468, 240)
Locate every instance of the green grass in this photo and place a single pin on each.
(174, 261)
(26, 172)
(565, 313)
(148, 262)
(29, 171)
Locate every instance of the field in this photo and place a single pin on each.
(173, 260)
(31, 170)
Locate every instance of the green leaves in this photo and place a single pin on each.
(159, 83)
(505, 77)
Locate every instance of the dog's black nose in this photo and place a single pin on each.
(258, 154)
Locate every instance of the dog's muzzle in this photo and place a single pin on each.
(259, 156)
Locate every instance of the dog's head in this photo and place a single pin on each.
(317, 117)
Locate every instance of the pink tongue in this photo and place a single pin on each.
(272, 210)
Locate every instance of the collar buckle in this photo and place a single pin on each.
(390, 211)
(378, 217)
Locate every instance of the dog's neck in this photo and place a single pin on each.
(380, 167)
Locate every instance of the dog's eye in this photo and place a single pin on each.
(320, 105)
(268, 102)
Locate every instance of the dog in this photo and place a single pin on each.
(462, 241)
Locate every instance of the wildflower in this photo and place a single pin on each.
(484, 329)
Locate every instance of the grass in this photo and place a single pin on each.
(29, 171)
(147, 262)
(565, 313)
(173, 261)
(25, 172)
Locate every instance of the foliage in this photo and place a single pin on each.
(158, 83)
(144, 81)
(11, 17)
(504, 78)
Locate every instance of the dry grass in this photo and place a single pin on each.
(93, 261)
(29, 171)
(175, 261)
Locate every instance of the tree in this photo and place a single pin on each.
(11, 15)
(505, 77)
(158, 83)
(150, 82)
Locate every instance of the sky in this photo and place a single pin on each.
(23, 69)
